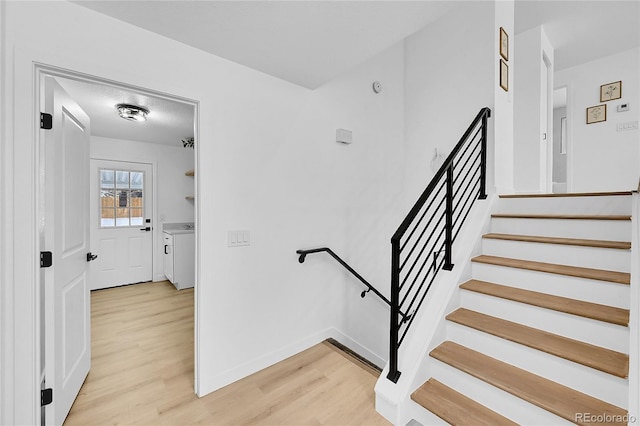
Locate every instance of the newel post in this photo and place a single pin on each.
(394, 374)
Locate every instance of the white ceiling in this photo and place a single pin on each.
(168, 121)
(311, 42)
(581, 31)
(304, 42)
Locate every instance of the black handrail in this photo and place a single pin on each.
(303, 254)
(441, 237)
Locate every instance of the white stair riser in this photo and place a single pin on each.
(593, 291)
(586, 257)
(597, 333)
(584, 379)
(610, 230)
(495, 399)
(604, 205)
(420, 416)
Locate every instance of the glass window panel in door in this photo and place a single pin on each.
(122, 179)
(137, 218)
(122, 208)
(107, 178)
(107, 208)
(137, 180)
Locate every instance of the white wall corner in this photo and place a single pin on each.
(529, 163)
(357, 347)
(502, 115)
(266, 360)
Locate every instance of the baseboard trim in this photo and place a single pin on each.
(355, 357)
(232, 375)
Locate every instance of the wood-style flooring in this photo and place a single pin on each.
(142, 373)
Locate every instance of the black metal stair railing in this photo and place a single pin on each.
(422, 245)
(303, 254)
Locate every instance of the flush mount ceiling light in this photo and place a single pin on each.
(132, 112)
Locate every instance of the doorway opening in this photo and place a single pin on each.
(546, 124)
(148, 160)
(560, 140)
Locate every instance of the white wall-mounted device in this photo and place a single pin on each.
(343, 136)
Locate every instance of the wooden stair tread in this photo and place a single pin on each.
(595, 311)
(455, 408)
(602, 359)
(552, 268)
(569, 194)
(546, 394)
(621, 245)
(560, 216)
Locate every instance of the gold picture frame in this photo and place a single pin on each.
(504, 75)
(611, 91)
(504, 44)
(597, 114)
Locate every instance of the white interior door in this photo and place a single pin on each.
(67, 309)
(121, 212)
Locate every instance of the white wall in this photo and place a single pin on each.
(449, 77)
(267, 163)
(500, 156)
(171, 185)
(599, 157)
(451, 72)
(532, 155)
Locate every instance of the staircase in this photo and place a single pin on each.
(541, 334)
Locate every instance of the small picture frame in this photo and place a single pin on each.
(611, 91)
(504, 44)
(596, 114)
(504, 75)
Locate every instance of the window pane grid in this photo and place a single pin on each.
(121, 198)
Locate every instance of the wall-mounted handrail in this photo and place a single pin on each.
(303, 254)
(462, 176)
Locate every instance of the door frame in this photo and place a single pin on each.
(40, 71)
(155, 230)
(546, 157)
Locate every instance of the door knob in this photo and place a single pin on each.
(91, 256)
(148, 228)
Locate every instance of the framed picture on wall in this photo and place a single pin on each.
(504, 44)
(611, 91)
(596, 114)
(504, 75)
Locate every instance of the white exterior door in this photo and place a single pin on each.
(121, 212)
(66, 198)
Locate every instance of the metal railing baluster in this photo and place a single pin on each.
(467, 178)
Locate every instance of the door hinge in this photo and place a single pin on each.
(46, 397)
(46, 121)
(46, 259)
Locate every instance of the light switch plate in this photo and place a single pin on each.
(629, 125)
(238, 238)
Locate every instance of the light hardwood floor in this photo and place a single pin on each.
(142, 373)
